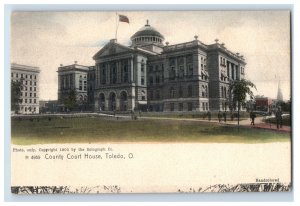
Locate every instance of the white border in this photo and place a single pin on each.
(172, 197)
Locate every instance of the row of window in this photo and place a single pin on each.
(181, 73)
(158, 79)
(147, 39)
(189, 105)
(224, 92)
(67, 81)
(28, 101)
(113, 74)
(180, 60)
(180, 106)
(27, 76)
(222, 61)
(29, 83)
(30, 88)
(29, 109)
(82, 85)
(156, 68)
(25, 94)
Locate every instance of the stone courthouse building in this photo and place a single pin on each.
(151, 75)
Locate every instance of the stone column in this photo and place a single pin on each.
(131, 70)
(96, 104)
(108, 73)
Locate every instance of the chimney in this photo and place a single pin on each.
(216, 40)
(196, 37)
(75, 62)
(167, 43)
(61, 65)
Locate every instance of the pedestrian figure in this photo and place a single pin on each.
(209, 115)
(219, 116)
(114, 112)
(225, 116)
(232, 116)
(279, 118)
(252, 116)
(140, 113)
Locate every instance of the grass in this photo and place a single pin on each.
(92, 130)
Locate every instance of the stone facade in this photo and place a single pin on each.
(29, 76)
(152, 76)
(72, 78)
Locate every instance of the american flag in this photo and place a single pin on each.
(123, 18)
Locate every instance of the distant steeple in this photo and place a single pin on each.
(279, 93)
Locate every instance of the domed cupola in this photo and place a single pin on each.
(147, 35)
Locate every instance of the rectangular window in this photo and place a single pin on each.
(190, 106)
(17, 75)
(143, 98)
(150, 80)
(30, 76)
(80, 84)
(21, 75)
(34, 100)
(25, 100)
(157, 80)
(142, 81)
(84, 86)
(30, 94)
(12, 74)
(25, 94)
(143, 68)
(171, 106)
(190, 70)
(30, 101)
(34, 94)
(180, 106)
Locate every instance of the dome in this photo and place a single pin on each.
(147, 35)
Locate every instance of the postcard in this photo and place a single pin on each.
(150, 101)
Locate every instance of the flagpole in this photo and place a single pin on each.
(117, 25)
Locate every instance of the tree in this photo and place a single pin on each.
(16, 91)
(239, 89)
(71, 102)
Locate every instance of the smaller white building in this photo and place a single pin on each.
(72, 78)
(29, 77)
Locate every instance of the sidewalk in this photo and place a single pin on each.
(259, 123)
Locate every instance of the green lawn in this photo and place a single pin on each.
(93, 129)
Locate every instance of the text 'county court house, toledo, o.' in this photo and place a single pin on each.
(151, 75)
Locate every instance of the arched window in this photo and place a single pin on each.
(157, 94)
(172, 73)
(172, 92)
(190, 91)
(222, 92)
(181, 72)
(180, 91)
